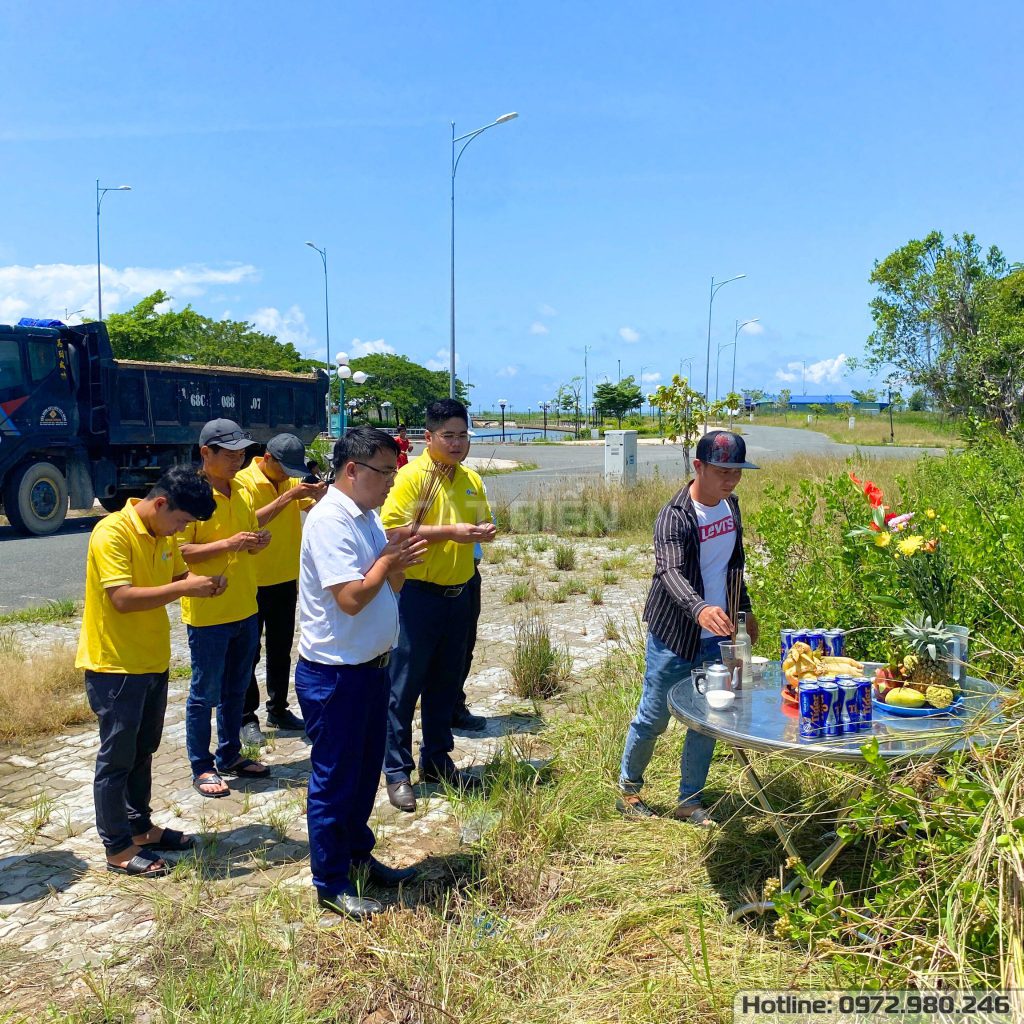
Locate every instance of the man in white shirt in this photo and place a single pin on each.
(349, 575)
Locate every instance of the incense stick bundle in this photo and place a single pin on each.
(734, 589)
(431, 484)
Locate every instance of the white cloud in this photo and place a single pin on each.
(538, 328)
(441, 360)
(366, 348)
(46, 290)
(824, 371)
(629, 335)
(650, 378)
(507, 371)
(290, 326)
(547, 310)
(752, 329)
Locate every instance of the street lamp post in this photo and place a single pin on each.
(344, 373)
(735, 346)
(544, 407)
(711, 300)
(327, 327)
(386, 407)
(502, 402)
(100, 193)
(586, 385)
(466, 140)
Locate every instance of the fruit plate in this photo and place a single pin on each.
(892, 709)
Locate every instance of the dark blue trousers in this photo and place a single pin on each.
(345, 709)
(428, 662)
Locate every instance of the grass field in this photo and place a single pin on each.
(911, 429)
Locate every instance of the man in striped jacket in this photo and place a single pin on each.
(698, 548)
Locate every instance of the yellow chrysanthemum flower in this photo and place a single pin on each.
(910, 545)
(930, 513)
(943, 528)
(882, 539)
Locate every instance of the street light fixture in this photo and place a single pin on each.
(327, 326)
(466, 140)
(345, 373)
(502, 402)
(386, 406)
(707, 369)
(544, 407)
(100, 193)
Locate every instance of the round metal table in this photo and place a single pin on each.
(759, 720)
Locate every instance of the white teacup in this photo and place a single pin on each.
(718, 700)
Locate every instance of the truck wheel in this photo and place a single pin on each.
(36, 498)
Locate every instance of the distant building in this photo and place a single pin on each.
(801, 402)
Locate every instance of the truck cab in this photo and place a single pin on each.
(39, 425)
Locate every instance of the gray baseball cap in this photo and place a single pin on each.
(225, 434)
(290, 452)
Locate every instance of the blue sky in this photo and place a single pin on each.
(658, 144)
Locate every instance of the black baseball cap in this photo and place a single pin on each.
(291, 453)
(725, 449)
(225, 434)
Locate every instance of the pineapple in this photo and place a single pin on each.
(926, 665)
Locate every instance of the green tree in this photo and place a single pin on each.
(684, 411)
(950, 319)
(409, 387)
(784, 396)
(185, 336)
(870, 395)
(617, 399)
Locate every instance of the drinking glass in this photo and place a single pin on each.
(732, 659)
(957, 648)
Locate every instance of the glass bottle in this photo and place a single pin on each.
(746, 647)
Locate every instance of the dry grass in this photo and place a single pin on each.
(40, 693)
(915, 430)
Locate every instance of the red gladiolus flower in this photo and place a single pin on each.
(871, 491)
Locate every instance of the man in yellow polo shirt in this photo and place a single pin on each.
(134, 569)
(434, 605)
(274, 484)
(221, 635)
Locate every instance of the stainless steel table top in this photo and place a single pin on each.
(758, 719)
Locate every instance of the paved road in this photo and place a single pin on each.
(36, 569)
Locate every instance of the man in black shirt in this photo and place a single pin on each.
(698, 547)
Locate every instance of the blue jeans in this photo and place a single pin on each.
(664, 670)
(222, 658)
(345, 709)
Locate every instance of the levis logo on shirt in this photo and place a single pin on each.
(719, 529)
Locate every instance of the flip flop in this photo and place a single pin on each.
(209, 779)
(693, 815)
(171, 840)
(143, 865)
(240, 769)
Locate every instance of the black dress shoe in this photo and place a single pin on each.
(454, 779)
(348, 905)
(464, 719)
(401, 796)
(287, 721)
(381, 874)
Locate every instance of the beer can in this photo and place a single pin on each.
(786, 637)
(849, 692)
(813, 710)
(816, 640)
(864, 699)
(835, 642)
(800, 636)
(834, 717)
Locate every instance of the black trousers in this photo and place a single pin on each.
(474, 588)
(276, 616)
(130, 709)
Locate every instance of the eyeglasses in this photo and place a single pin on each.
(449, 438)
(387, 473)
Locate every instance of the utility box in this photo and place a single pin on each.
(620, 456)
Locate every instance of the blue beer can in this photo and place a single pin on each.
(813, 710)
(816, 641)
(864, 700)
(786, 637)
(800, 636)
(834, 718)
(835, 642)
(850, 696)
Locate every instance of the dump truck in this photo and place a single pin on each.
(78, 425)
